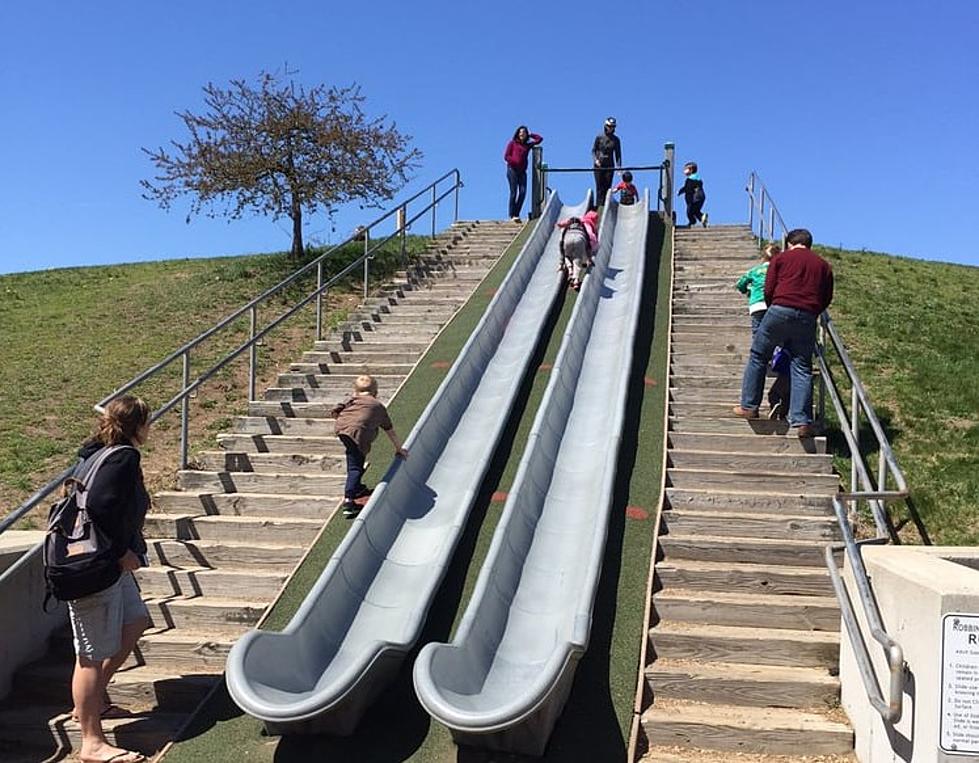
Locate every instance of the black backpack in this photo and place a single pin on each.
(78, 558)
(626, 196)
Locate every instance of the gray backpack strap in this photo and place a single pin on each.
(92, 469)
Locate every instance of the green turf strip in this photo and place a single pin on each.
(595, 723)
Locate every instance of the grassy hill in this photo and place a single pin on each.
(72, 335)
(910, 329)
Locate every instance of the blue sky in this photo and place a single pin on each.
(861, 117)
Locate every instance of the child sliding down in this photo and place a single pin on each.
(579, 241)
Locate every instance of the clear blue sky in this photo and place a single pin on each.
(862, 117)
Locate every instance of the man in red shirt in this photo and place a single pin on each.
(798, 287)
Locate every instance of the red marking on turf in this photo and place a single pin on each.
(649, 381)
(636, 512)
(544, 367)
(499, 496)
(440, 364)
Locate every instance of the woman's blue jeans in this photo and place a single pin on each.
(518, 189)
(795, 330)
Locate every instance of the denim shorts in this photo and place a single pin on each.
(97, 620)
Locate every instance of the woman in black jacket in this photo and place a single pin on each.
(107, 624)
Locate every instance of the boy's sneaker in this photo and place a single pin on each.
(745, 413)
(806, 430)
(703, 220)
(363, 492)
(350, 509)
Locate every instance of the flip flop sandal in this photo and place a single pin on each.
(126, 756)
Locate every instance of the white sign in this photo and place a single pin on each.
(959, 728)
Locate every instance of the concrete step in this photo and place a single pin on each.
(230, 617)
(745, 685)
(289, 444)
(253, 482)
(707, 500)
(234, 528)
(744, 577)
(687, 307)
(726, 548)
(301, 410)
(748, 610)
(183, 650)
(341, 377)
(221, 554)
(703, 409)
(50, 728)
(342, 374)
(256, 584)
(823, 484)
(778, 463)
(367, 331)
(702, 395)
(735, 426)
(293, 463)
(333, 393)
(742, 524)
(708, 643)
(338, 349)
(298, 372)
(264, 505)
(297, 426)
(364, 358)
(140, 688)
(769, 730)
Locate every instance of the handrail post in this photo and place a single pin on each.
(455, 214)
(855, 429)
(185, 414)
(751, 202)
(319, 303)
(536, 182)
(669, 159)
(367, 260)
(402, 219)
(771, 224)
(253, 351)
(434, 205)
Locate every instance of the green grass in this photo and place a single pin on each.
(595, 724)
(910, 328)
(71, 336)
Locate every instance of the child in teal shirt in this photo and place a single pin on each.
(752, 283)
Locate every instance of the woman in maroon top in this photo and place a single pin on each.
(515, 157)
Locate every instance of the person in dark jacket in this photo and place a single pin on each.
(106, 625)
(515, 156)
(606, 153)
(693, 193)
(798, 288)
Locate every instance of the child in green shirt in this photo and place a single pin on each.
(752, 283)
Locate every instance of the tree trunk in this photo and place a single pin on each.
(297, 229)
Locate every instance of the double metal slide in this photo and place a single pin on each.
(503, 680)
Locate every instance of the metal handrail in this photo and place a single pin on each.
(755, 184)
(255, 334)
(864, 486)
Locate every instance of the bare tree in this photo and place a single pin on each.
(281, 150)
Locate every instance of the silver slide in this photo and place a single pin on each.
(347, 640)
(504, 679)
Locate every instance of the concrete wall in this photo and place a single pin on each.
(914, 587)
(24, 626)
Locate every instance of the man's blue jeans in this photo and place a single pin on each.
(795, 330)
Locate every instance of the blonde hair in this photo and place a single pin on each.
(122, 420)
(770, 251)
(365, 383)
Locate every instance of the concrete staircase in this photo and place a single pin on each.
(223, 544)
(744, 638)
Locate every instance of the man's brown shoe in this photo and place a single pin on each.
(744, 413)
(806, 430)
